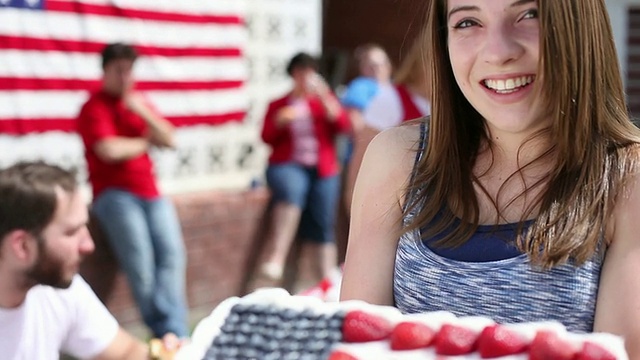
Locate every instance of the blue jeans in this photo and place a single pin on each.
(315, 196)
(146, 238)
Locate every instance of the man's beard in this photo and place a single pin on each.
(48, 270)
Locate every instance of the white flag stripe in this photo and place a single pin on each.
(67, 104)
(197, 7)
(56, 65)
(103, 29)
(189, 103)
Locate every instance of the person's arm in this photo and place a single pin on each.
(276, 118)
(618, 304)
(356, 119)
(119, 148)
(125, 347)
(96, 126)
(376, 216)
(161, 131)
(330, 104)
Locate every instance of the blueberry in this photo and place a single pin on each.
(256, 309)
(317, 346)
(272, 320)
(251, 353)
(245, 328)
(274, 355)
(252, 319)
(292, 345)
(279, 334)
(308, 314)
(288, 314)
(335, 336)
(271, 346)
(239, 308)
(240, 339)
(304, 324)
(301, 335)
(232, 318)
(293, 355)
(223, 339)
(321, 334)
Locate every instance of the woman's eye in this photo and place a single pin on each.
(465, 24)
(531, 14)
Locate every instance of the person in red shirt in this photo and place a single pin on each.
(118, 127)
(301, 128)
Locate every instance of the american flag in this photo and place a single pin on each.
(191, 66)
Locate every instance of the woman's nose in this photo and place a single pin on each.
(501, 46)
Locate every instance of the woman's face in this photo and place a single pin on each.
(303, 78)
(494, 50)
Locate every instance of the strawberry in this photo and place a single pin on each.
(497, 340)
(410, 335)
(339, 355)
(455, 340)
(592, 351)
(360, 326)
(547, 345)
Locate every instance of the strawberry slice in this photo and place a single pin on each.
(340, 355)
(410, 335)
(360, 326)
(593, 351)
(498, 340)
(547, 345)
(455, 340)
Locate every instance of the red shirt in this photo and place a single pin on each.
(104, 116)
(279, 138)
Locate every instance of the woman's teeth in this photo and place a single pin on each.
(508, 85)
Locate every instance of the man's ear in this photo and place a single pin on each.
(21, 244)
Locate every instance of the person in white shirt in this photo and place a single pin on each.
(46, 308)
(405, 98)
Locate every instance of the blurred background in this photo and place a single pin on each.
(210, 66)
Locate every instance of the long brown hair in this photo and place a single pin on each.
(412, 70)
(591, 138)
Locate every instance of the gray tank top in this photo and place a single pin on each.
(508, 291)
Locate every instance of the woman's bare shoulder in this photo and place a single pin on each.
(398, 140)
(393, 151)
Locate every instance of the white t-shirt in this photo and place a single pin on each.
(72, 321)
(385, 109)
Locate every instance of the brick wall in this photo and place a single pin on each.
(391, 23)
(221, 232)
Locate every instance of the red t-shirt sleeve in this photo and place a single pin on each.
(96, 122)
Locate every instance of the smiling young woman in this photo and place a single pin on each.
(518, 198)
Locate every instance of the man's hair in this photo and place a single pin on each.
(301, 61)
(28, 198)
(117, 51)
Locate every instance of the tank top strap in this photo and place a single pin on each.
(413, 194)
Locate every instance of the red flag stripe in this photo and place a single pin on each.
(39, 44)
(215, 119)
(10, 83)
(24, 126)
(115, 11)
